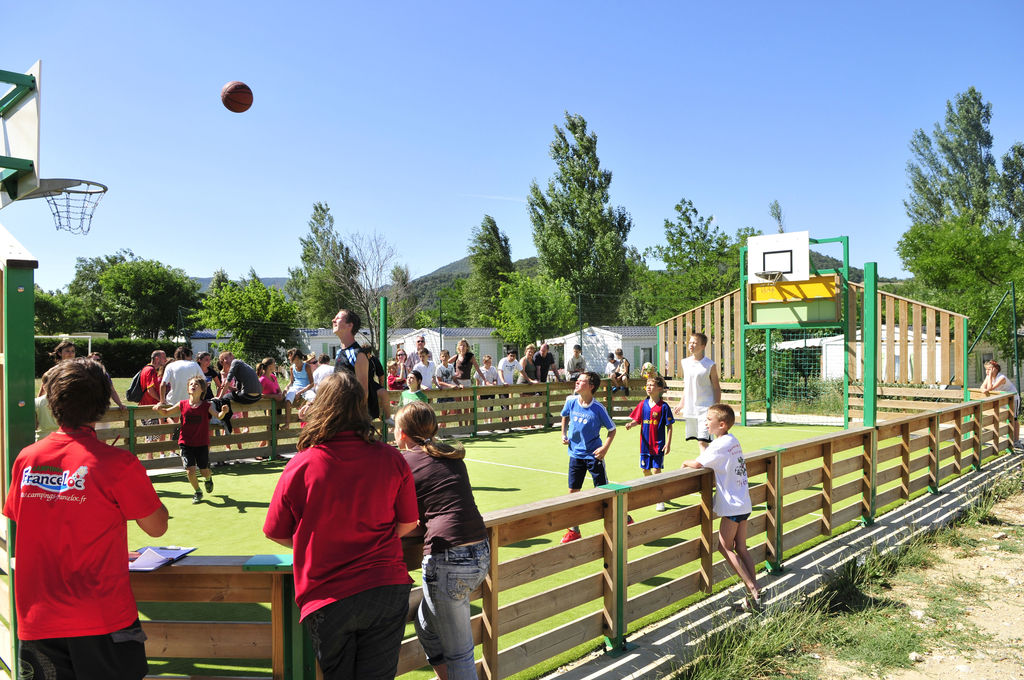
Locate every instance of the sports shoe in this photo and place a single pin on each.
(626, 390)
(660, 507)
(571, 535)
(750, 605)
(227, 423)
(629, 520)
(197, 498)
(209, 486)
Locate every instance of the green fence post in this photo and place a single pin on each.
(547, 405)
(19, 385)
(775, 567)
(131, 429)
(870, 337)
(615, 567)
(870, 479)
(768, 375)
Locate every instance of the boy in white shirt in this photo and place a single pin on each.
(732, 497)
(426, 367)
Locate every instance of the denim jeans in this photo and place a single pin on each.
(442, 622)
(360, 635)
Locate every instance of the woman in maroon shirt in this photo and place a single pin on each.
(456, 551)
(342, 503)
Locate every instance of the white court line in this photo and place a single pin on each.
(518, 467)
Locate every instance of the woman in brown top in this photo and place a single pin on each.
(465, 363)
(456, 553)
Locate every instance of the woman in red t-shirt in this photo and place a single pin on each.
(342, 504)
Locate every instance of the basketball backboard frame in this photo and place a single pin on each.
(19, 134)
(788, 253)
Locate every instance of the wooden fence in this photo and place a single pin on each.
(917, 343)
(596, 587)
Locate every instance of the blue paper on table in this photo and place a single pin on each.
(154, 557)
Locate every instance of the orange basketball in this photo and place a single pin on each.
(236, 96)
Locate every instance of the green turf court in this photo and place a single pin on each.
(506, 470)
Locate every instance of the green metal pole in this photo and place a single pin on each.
(870, 338)
(768, 375)
(618, 643)
(844, 290)
(1013, 320)
(19, 392)
(273, 431)
(743, 336)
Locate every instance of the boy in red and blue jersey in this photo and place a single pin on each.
(655, 418)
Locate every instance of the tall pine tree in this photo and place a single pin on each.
(491, 261)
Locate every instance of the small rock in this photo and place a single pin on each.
(916, 658)
(963, 669)
(814, 655)
(916, 613)
(999, 536)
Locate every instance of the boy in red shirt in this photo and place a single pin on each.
(71, 497)
(194, 434)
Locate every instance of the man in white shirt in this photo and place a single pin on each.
(174, 386)
(426, 367)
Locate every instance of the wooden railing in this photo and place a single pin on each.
(720, 320)
(617, 574)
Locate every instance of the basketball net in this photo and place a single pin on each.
(72, 202)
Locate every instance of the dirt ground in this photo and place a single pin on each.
(987, 640)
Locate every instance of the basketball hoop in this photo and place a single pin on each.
(72, 202)
(771, 276)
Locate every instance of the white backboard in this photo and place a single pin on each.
(788, 253)
(19, 136)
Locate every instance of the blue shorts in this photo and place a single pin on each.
(737, 518)
(651, 461)
(578, 468)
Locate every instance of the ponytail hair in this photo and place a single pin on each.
(417, 420)
(264, 365)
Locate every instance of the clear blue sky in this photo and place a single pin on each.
(417, 119)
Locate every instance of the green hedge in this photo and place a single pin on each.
(122, 357)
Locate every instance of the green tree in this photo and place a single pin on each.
(775, 210)
(321, 284)
(491, 261)
(220, 278)
(531, 309)
(260, 320)
(58, 312)
(402, 298)
(578, 235)
(85, 290)
(701, 262)
(963, 245)
(141, 297)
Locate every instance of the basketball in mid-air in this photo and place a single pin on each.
(236, 96)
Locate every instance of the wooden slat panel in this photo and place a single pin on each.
(841, 517)
(664, 524)
(890, 339)
(727, 339)
(918, 484)
(904, 326)
(917, 370)
(662, 596)
(918, 463)
(651, 565)
(944, 352)
(852, 314)
(800, 453)
(550, 602)
(797, 537)
(801, 480)
(551, 643)
(168, 586)
(929, 338)
(884, 498)
(737, 329)
(889, 452)
(846, 466)
(715, 330)
(207, 640)
(802, 507)
(544, 517)
(887, 475)
(847, 490)
(947, 470)
(550, 561)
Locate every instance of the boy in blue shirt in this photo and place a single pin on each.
(582, 420)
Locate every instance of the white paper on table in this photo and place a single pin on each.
(149, 559)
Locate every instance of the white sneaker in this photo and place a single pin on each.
(660, 507)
